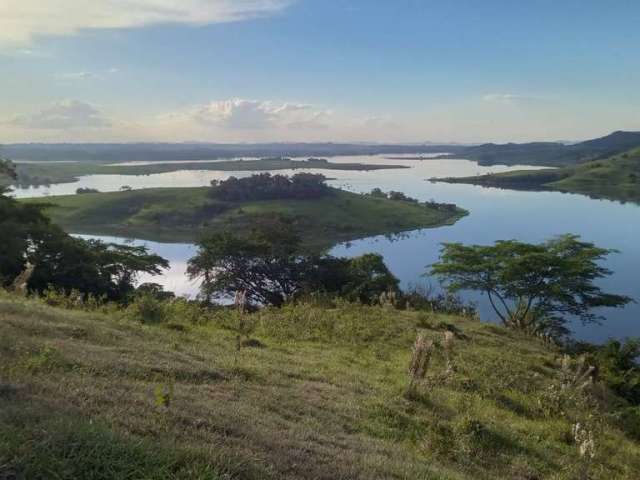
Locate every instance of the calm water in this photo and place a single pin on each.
(494, 214)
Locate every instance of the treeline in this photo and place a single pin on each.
(37, 255)
(402, 197)
(265, 186)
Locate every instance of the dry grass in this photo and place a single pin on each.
(84, 395)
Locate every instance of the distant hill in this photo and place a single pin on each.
(615, 178)
(534, 153)
(551, 153)
(115, 152)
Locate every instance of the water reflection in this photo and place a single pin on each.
(494, 214)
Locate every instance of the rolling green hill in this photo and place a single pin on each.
(550, 153)
(184, 214)
(616, 178)
(319, 394)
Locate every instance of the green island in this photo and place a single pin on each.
(318, 392)
(185, 214)
(45, 173)
(614, 178)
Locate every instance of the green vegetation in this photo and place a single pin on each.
(315, 391)
(48, 173)
(186, 214)
(7, 174)
(36, 254)
(550, 153)
(268, 267)
(616, 178)
(532, 287)
(265, 186)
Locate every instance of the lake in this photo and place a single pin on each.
(494, 215)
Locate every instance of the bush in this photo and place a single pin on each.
(629, 421)
(147, 309)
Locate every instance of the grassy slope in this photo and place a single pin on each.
(183, 214)
(322, 400)
(46, 173)
(550, 153)
(616, 178)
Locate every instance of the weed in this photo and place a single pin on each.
(163, 396)
(422, 349)
(147, 309)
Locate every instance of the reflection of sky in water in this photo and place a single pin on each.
(173, 279)
(494, 214)
(356, 180)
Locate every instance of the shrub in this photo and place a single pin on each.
(629, 421)
(147, 309)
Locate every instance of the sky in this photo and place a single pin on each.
(317, 70)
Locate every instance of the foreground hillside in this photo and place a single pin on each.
(616, 178)
(184, 214)
(317, 393)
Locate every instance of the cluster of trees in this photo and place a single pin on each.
(392, 195)
(66, 263)
(270, 266)
(402, 197)
(265, 186)
(535, 288)
(81, 191)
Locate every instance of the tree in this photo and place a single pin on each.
(27, 236)
(368, 278)
(7, 169)
(22, 228)
(532, 287)
(265, 264)
(92, 267)
(270, 266)
(359, 279)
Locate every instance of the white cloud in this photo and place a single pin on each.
(69, 114)
(76, 76)
(507, 97)
(256, 114)
(22, 20)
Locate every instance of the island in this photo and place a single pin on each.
(186, 214)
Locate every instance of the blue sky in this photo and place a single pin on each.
(316, 70)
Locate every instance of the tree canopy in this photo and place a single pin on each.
(7, 169)
(534, 287)
(271, 267)
(66, 263)
(265, 186)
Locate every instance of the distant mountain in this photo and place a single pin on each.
(551, 153)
